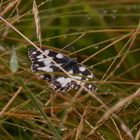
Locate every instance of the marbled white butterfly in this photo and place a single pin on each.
(58, 79)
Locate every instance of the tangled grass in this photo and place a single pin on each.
(104, 36)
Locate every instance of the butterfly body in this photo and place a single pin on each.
(44, 62)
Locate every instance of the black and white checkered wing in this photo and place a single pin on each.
(42, 62)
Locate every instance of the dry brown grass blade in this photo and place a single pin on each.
(137, 135)
(106, 47)
(10, 101)
(119, 106)
(80, 127)
(130, 42)
(110, 112)
(13, 98)
(37, 22)
(9, 7)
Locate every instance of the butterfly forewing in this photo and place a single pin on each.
(62, 82)
(42, 61)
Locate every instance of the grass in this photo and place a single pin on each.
(104, 36)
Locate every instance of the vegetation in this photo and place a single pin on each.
(104, 36)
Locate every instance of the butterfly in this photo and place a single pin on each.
(48, 61)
